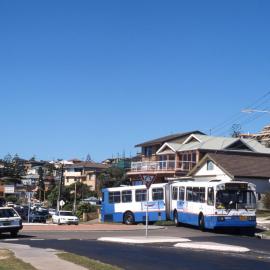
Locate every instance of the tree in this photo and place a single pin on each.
(88, 158)
(111, 177)
(41, 185)
(82, 191)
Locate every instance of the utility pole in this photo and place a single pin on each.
(60, 187)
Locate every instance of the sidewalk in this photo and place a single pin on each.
(41, 259)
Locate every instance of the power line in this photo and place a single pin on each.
(236, 117)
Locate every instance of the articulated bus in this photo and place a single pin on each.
(208, 205)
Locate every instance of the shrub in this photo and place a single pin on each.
(86, 208)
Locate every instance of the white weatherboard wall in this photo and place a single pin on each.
(216, 173)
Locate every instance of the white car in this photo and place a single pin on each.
(65, 217)
(10, 221)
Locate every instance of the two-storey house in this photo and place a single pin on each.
(150, 162)
(84, 172)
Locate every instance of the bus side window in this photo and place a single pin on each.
(174, 193)
(189, 194)
(157, 194)
(126, 196)
(181, 193)
(196, 194)
(114, 197)
(202, 194)
(210, 196)
(140, 195)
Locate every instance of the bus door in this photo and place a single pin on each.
(168, 201)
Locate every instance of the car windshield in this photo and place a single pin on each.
(65, 213)
(5, 213)
(235, 199)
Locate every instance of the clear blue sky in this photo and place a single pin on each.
(98, 77)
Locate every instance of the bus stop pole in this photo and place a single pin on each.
(146, 218)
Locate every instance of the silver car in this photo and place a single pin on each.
(10, 221)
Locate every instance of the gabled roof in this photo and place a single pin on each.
(238, 165)
(92, 165)
(168, 138)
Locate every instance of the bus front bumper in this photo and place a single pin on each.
(230, 221)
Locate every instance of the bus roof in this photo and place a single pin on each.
(212, 183)
(132, 187)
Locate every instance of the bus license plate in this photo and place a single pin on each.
(243, 218)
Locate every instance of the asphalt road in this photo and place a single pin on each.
(163, 256)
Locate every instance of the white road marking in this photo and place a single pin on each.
(212, 246)
(143, 240)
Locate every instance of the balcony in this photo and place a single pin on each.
(166, 166)
(72, 174)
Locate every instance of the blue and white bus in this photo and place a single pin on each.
(128, 204)
(208, 205)
(213, 204)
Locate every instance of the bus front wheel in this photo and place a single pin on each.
(201, 222)
(129, 218)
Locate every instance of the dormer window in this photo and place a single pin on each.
(210, 165)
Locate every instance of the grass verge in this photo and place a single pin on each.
(9, 262)
(86, 262)
(267, 233)
(164, 223)
(263, 213)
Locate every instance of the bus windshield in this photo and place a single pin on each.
(235, 199)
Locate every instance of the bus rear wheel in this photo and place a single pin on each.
(201, 222)
(129, 218)
(175, 218)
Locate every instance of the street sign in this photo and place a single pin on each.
(62, 203)
(148, 180)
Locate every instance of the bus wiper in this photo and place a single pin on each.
(229, 209)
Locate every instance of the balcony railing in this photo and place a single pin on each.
(72, 174)
(166, 165)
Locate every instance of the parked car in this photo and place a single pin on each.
(22, 211)
(65, 217)
(10, 221)
(37, 216)
(52, 211)
(91, 200)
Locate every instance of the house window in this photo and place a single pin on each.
(148, 151)
(210, 165)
